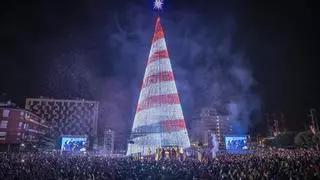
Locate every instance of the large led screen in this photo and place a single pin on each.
(73, 143)
(236, 143)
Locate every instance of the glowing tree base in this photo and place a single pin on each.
(159, 121)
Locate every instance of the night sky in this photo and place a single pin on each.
(97, 50)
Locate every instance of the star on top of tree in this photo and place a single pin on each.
(158, 4)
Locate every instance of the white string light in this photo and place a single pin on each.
(159, 120)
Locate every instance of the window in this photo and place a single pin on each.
(3, 135)
(3, 124)
(6, 113)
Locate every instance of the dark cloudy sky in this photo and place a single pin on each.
(262, 55)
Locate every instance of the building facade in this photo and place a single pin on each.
(67, 117)
(210, 121)
(20, 126)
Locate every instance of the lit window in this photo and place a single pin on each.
(6, 113)
(3, 135)
(4, 124)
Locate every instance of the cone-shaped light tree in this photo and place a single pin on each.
(159, 121)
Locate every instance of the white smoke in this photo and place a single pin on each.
(215, 146)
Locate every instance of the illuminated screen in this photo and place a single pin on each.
(73, 143)
(236, 143)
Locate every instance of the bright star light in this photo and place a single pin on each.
(158, 4)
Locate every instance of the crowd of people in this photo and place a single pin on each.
(276, 164)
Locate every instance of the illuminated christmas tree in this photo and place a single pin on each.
(159, 121)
